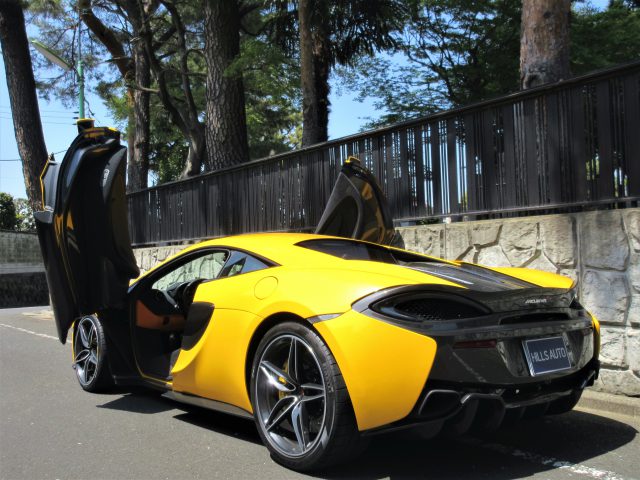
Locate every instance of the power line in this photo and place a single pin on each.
(19, 160)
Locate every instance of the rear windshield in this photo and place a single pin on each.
(354, 250)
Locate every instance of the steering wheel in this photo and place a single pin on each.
(163, 297)
(182, 293)
(188, 292)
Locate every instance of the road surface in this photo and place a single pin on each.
(51, 429)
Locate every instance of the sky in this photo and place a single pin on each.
(346, 118)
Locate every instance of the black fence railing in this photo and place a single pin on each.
(571, 145)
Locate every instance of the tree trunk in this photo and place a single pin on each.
(197, 150)
(314, 72)
(138, 168)
(226, 125)
(22, 97)
(544, 42)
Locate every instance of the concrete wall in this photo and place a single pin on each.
(601, 250)
(22, 278)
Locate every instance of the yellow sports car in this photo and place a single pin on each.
(323, 340)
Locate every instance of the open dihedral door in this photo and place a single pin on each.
(83, 229)
(358, 209)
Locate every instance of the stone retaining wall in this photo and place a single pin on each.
(22, 278)
(601, 250)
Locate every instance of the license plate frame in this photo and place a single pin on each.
(546, 355)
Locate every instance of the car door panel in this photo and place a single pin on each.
(83, 228)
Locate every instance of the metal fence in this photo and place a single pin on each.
(568, 146)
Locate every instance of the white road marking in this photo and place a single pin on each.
(542, 460)
(43, 335)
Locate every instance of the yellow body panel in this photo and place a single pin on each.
(539, 277)
(215, 367)
(384, 366)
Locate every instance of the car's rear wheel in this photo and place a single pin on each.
(90, 355)
(301, 405)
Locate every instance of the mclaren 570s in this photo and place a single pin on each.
(322, 339)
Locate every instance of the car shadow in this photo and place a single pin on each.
(528, 448)
(146, 402)
(222, 423)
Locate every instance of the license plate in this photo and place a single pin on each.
(546, 355)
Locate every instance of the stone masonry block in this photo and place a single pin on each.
(470, 256)
(408, 235)
(619, 382)
(556, 233)
(613, 347)
(493, 257)
(633, 317)
(541, 262)
(457, 241)
(485, 233)
(603, 240)
(606, 294)
(429, 240)
(634, 271)
(518, 241)
(632, 225)
(633, 349)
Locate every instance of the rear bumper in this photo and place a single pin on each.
(390, 369)
(454, 407)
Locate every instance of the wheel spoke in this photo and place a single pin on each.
(292, 362)
(280, 410)
(298, 420)
(93, 359)
(312, 391)
(277, 376)
(83, 336)
(82, 356)
(92, 336)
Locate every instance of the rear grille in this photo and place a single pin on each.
(534, 317)
(434, 309)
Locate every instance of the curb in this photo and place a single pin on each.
(609, 403)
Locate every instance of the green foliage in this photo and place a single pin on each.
(456, 52)
(604, 38)
(450, 53)
(24, 215)
(167, 148)
(8, 218)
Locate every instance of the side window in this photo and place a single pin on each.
(241, 262)
(207, 266)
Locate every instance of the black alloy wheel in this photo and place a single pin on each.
(300, 402)
(90, 355)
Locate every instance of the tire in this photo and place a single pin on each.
(90, 355)
(303, 414)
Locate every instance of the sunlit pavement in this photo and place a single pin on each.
(51, 429)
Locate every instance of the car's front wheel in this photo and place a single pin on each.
(301, 405)
(90, 355)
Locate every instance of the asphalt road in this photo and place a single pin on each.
(51, 429)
